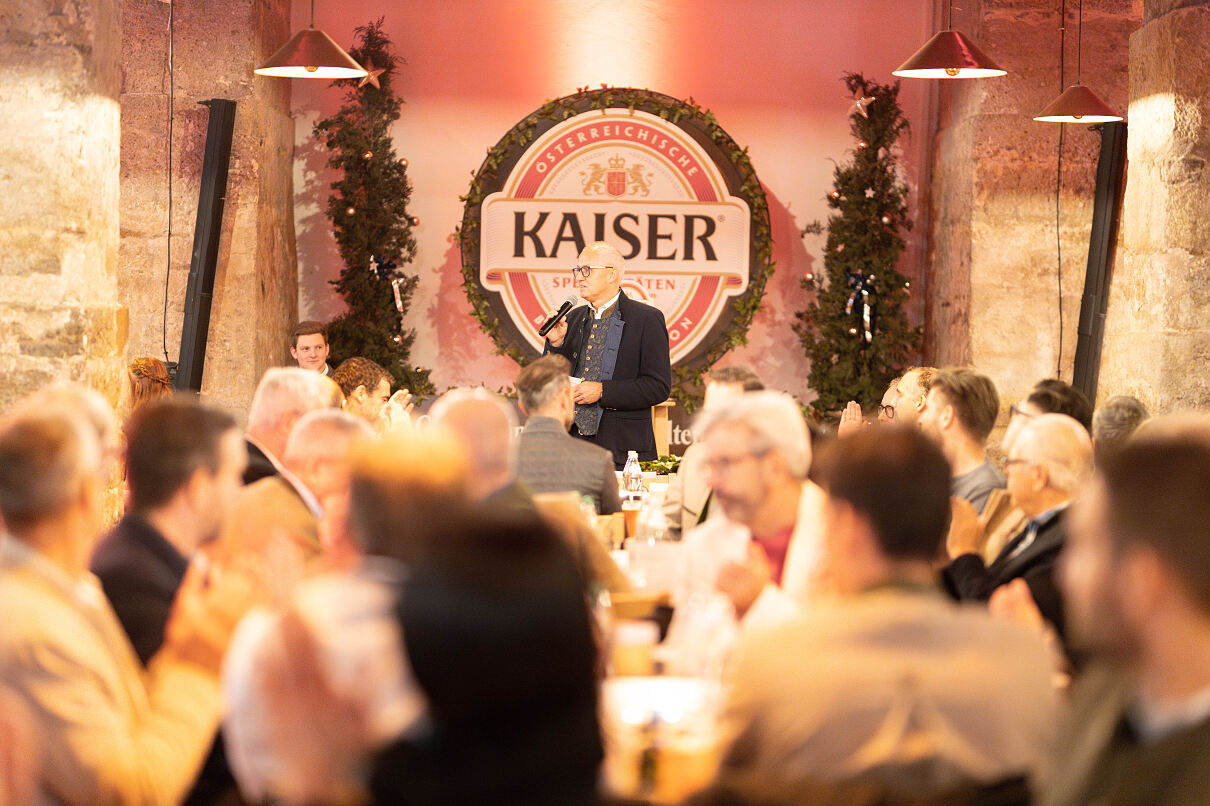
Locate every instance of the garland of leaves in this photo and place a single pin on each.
(686, 378)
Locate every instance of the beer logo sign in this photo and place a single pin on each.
(683, 213)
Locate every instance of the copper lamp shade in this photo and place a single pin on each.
(1078, 104)
(949, 54)
(311, 53)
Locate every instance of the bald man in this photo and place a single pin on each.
(618, 347)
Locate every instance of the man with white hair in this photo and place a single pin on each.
(315, 469)
(283, 395)
(1048, 462)
(618, 347)
(762, 553)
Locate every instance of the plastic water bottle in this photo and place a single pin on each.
(632, 474)
(652, 525)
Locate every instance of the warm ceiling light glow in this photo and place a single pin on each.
(622, 43)
(949, 54)
(1077, 103)
(311, 53)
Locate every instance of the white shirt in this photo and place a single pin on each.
(596, 312)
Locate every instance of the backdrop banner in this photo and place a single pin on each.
(672, 191)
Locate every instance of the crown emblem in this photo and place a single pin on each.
(616, 179)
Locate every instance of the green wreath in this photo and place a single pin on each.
(698, 122)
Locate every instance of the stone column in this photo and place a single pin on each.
(993, 281)
(216, 45)
(59, 312)
(1157, 340)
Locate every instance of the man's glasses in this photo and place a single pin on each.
(887, 411)
(725, 465)
(584, 271)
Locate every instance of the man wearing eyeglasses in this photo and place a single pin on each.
(618, 347)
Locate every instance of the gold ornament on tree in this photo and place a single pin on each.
(859, 102)
(371, 76)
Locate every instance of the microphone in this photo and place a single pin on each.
(559, 314)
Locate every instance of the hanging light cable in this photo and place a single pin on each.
(1077, 104)
(949, 54)
(311, 53)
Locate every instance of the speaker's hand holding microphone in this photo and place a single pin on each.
(555, 329)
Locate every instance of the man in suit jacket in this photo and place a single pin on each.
(550, 460)
(619, 348)
(184, 464)
(1048, 462)
(109, 729)
(1135, 578)
(283, 395)
(315, 469)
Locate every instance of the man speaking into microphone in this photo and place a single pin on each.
(618, 347)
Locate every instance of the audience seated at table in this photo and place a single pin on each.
(1136, 575)
(959, 413)
(1048, 463)
(549, 459)
(330, 652)
(499, 637)
(485, 428)
(436, 643)
(283, 395)
(108, 730)
(887, 682)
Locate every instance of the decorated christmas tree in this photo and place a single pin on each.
(855, 330)
(368, 211)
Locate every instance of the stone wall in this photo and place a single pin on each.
(216, 45)
(60, 316)
(1157, 343)
(993, 278)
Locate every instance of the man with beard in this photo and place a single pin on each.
(762, 553)
(1136, 576)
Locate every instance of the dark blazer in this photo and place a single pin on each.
(550, 460)
(1101, 758)
(259, 465)
(642, 376)
(140, 572)
(967, 577)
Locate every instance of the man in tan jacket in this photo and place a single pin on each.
(109, 733)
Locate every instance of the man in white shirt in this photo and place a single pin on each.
(761, 554)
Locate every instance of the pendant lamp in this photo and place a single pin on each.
(949, 54)
(1077, 103)
(311, 53)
